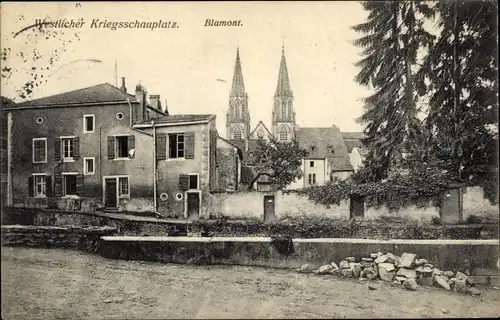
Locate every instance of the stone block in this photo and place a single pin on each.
(407, 273)
(386, 275)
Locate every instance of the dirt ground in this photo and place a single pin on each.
(61, 284)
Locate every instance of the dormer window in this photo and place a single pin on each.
(313, 148)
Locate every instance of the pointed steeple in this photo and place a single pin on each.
(283, 88)
(238, 87)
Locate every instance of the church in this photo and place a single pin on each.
(331, 153)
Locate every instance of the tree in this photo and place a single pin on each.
(391, 38)
(460, 72)
(31, 68)
(279, 161)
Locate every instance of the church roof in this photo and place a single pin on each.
(325, 143)
(283, 87)
(238, 86)
(258, 125)
(101, 93)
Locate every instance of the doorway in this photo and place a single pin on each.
(193, 205)
(110, 198)
(356, 207)
(269, 213)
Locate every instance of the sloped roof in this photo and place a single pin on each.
(283, 87)
(177, 118)
(352, 143)
(325, 143)
(248, 156)
(100, 93)
(238, 86)
(258, 125)
(352, 135)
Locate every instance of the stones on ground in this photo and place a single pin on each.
(386, 275)
(372, 288)
(437, 272)
(410, 284)
(473, 291)
(460, 285)
(407, 273)
(374, 255)
(419, 269)
(369, 273)
(381, 259)
(391, 258)
(326, 269)
(305, 268)
(420, 262)
(400, 279)
(347, 273)
(428, 265)
(445, 311)
(386, 266)
(407, 260)
(367, 259)
(471, 282)
(366, 264)
(425, 280)
(344, 264)
(113, 300)
(461, 276)
(449, 274)
(442, 281)
(356, 269)
(350, 259)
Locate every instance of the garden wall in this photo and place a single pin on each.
(474, 203)
(83, 238)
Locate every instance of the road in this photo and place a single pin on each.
(61, 284)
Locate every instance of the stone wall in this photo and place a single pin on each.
(295, 205)
(237, 205)
(422, 214)
(474, 203)
(83, 238)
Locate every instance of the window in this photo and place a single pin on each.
(88, 123)
(69, 185)
(88, 166)
(193, 181)
(176, 145)
(237, 134)
(119, 116)
(122, 148)
(311, 164)
(123, 187)
(39, 120)
(260, 133)
(237, 112)
(40, 185)
(283, 110)
(40, 150)
(312, 178)
(283, 133)
(67, 148)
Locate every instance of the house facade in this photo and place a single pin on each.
(100, 148)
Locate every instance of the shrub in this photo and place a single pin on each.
(473, 219)
(436, 221)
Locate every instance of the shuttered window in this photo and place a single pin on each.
(183, 181)
(161, 146)
(121, 147)
(69, 185)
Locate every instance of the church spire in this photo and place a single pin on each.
(238, 87)
(283, 88)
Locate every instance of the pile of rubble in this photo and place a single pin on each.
(406, 270)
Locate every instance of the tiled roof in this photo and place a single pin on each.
(100, 93)
(182, 118)
(352, 143)
(6, 102)
(325, 143)
(352, 135)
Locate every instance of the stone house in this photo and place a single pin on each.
(100, 148)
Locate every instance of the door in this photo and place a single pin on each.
(110, 193)
(269, 208)
(356, 207)
(451, 211)
(193, 205)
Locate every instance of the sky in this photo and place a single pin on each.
(183, 64)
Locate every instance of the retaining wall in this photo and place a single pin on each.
(83, 238)
(478, 257)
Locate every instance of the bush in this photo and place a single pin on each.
(473, 219)
(436, 221)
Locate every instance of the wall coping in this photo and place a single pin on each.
(298, 240)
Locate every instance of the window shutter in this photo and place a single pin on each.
(79, 185)
(161, 146)
(57, 149)
(76, 148)
(58, 191)
(111, 147)
(183, 182)
(31, 187)
(131, 145)
(48, 186)
(189, 145)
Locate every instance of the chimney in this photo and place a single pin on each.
(123, 87)
(154, 100)
(140, 95)
(166, 107)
